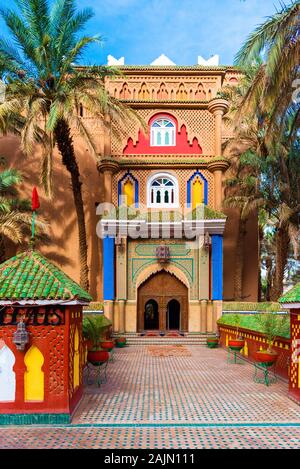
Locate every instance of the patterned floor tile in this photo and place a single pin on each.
(191, 400)
(199, 388)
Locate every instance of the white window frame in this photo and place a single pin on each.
(150, 181)
(163, 130)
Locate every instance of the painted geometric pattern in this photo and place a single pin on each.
(199, 124)
(149, 250)
(183, 176)
(295, 357)
(152, 437)
(172, 402)
(168, 87)
(142, 255)
(198, 389)
(56, 361)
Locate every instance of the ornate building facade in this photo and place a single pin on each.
(167, 173)
(170, 160)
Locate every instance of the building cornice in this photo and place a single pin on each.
(211, 226)
(174, 104)
(175, 161)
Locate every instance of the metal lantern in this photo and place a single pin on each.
(163, 254)
(21, 336)
(206, 240)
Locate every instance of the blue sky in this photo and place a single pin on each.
(141, 30)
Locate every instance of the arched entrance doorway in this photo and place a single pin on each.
(173, 315)
(162, 303)
(151, 318)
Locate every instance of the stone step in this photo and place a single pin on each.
(195, 339)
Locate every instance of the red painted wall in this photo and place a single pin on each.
(56, 345)
(282, 364)
(184, 144)
(294, 384)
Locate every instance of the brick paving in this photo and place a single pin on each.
(186, 400)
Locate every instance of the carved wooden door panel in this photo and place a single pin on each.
(162, 288)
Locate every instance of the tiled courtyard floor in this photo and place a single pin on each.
(192, 400)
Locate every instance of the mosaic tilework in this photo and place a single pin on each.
(196, 401)
(151, 437)
(196, 389)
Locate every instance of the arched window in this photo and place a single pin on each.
(163, 133)
(128, 189)
(162, 191)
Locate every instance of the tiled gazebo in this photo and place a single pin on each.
(43, 382)
(291, 301)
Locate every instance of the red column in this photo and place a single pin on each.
(294, 377)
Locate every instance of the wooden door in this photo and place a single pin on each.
(163, 288)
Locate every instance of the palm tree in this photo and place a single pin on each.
(15, 213)
(45, 90)
(277, 42)
(265, 178)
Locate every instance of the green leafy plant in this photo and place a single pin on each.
(237, 323)
(272, 325)
(94, 328)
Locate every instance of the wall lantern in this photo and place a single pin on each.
(163, 254)
(21, 336)
(206, 240)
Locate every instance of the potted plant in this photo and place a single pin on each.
(121, 341)
(271, 325)
(212, 341)
(238, 343)
(94, 329)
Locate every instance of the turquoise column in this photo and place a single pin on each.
(217, 266)
(108, 269)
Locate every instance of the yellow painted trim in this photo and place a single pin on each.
(128, 190)
(34, 376)
(198, 193)
(76, 360)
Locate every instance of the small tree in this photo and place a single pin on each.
(94, 329)
(272, 325)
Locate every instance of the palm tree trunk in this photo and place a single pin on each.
(65, 145)
(260, 240)
(269, 277)
(2, 250)
(239, 262)
(281, 257)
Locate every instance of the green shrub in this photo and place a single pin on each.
(94, 306)
(251, 306)
(272, 325)
(94, 328)
(250, 321)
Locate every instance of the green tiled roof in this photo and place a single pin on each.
(30, 276)
(292, 296)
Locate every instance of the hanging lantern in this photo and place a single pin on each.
(21, 336)
(163, 254)
(206, 240)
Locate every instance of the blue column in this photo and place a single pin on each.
(217, 266)
(108, 268)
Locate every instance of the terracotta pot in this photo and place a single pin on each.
(266, 356)
(212, 342)
(121, 341)
(236, 344)
(97, 356)
(107, 345)
(88, 344)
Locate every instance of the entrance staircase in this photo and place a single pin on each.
(187, 339)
